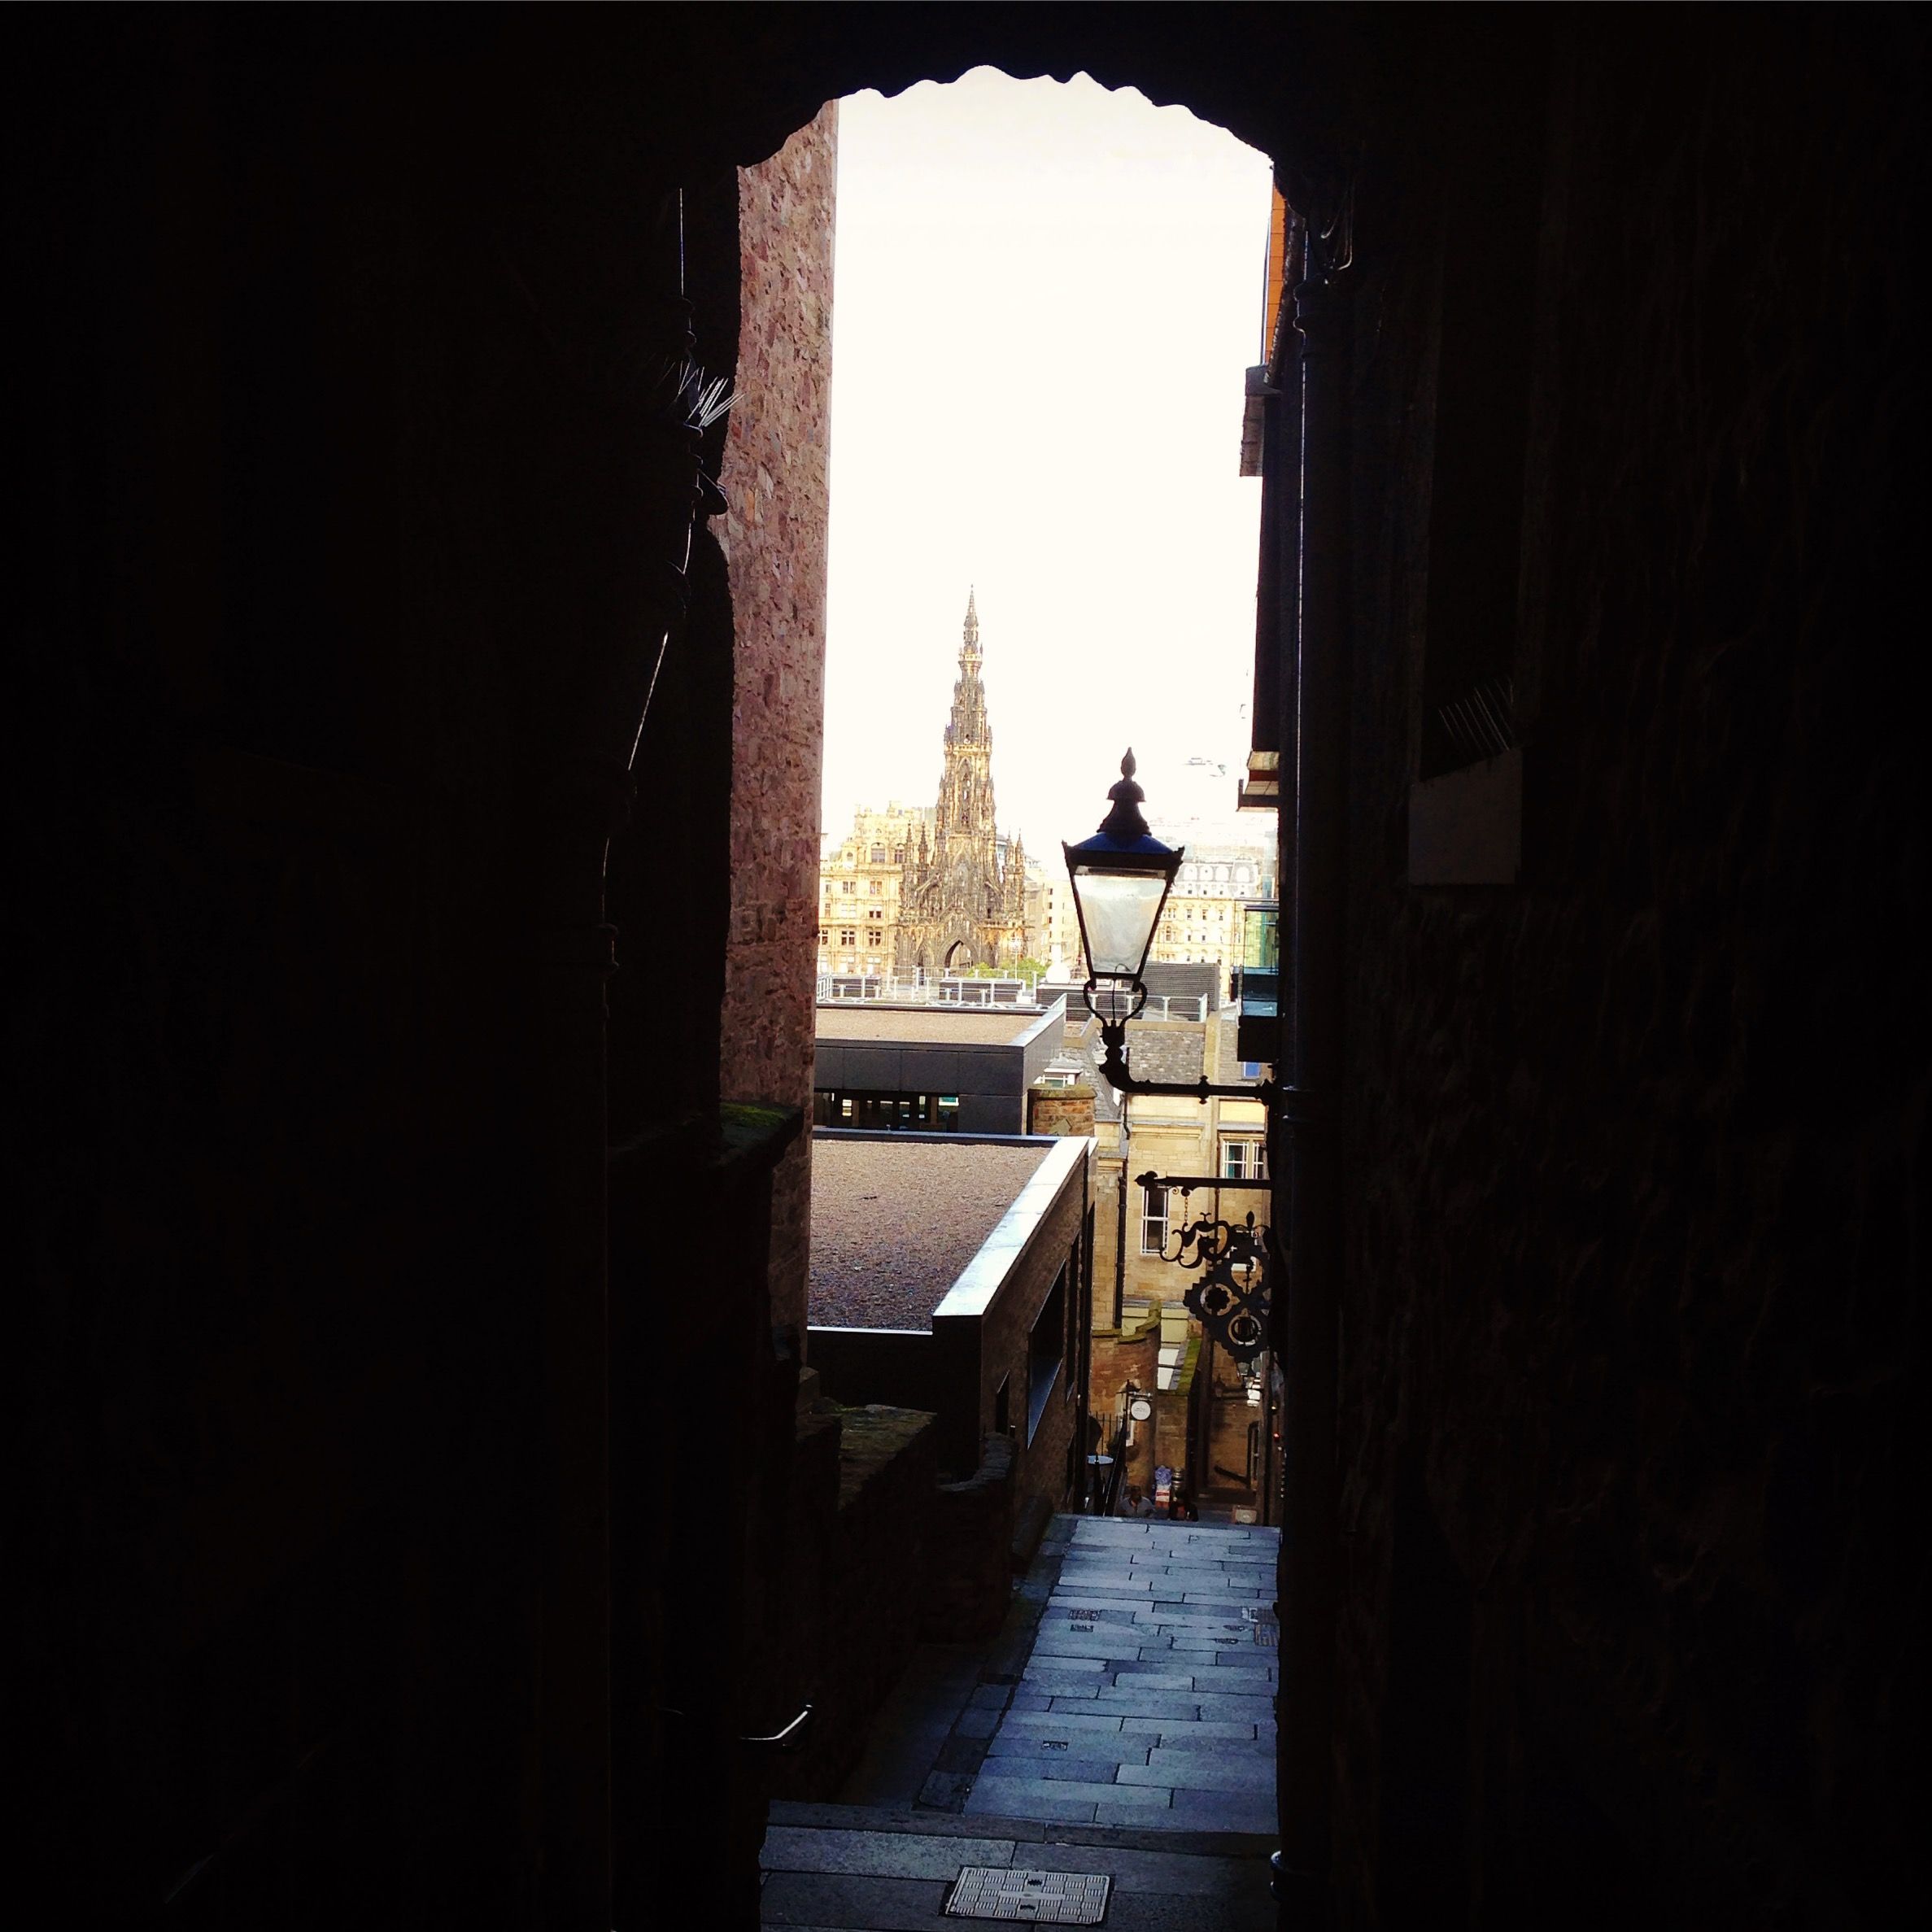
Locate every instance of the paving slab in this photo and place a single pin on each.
(1117, 1749)
(1206, 1730)
(1061, 1723)
(1059, 1768)
(1257, 1710)
(881, 1854)
(1194, 1771)
(853, 1902)
(1100, 1640)
(1019, 1796)
(1224, 1811)
(1185, 1738)
(994, 1788)
(1130, 1702)
(975, 1722)
(1159, 1874)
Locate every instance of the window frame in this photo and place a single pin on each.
(1254, 1150)
(1149, 1218)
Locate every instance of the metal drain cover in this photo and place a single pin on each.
(1038, 1898)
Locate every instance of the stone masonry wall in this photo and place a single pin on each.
(969, 1584)
(1060, 1110)
(776, 478)
(1121, 1356)
(1633, 1252)
(862, 1566)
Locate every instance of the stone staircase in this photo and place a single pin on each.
(1114, 1745)
(836, 1868)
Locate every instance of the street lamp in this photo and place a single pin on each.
(1121, 877)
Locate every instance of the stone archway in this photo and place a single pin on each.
(959, 957)
(561, 165)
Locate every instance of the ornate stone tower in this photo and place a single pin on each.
(962, 898)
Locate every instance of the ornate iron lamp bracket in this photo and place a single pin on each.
(1233, 1259)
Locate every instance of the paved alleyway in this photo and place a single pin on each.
(1121, 1727)
(1148, 1699)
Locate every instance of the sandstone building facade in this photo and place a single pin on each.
(858, 888)
(1203, 917)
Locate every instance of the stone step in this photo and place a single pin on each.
(866, 1868)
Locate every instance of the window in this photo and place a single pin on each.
(1242, 1160)
(848, 885)
(878, 1113)
(849, 936)
(878, 857)
(1153, 1220)
(875, 938)
(1046, 1348)
(1250, 1069)
(877, 887)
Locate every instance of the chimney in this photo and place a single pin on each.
(1060, 1110)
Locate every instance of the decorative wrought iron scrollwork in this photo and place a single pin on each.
(1231, 1299)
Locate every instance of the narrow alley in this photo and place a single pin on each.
(1111, 1753)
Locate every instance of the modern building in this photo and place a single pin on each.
(952, 1275)
(932, 1068)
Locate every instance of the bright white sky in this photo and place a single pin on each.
(1044, 299)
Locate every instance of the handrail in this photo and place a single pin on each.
(787, 1739)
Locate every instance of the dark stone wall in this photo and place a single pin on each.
(347, 541)
(863, 1548)
(1635, 1147)
(971, 1551)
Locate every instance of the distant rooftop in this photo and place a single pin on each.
(1001, 1026)
(896, 1220)
(1169, 1051)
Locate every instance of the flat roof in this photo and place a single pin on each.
(943, 1026)
(897, 1219)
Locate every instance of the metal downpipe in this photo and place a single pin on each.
(1313, 1028)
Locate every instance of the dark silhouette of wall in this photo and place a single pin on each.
(348, 532)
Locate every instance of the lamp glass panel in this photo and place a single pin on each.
(1118, 910)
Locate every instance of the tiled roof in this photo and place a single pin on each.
(1081, 1048)
(1171, 1050)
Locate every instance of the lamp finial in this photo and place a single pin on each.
(1125, 822)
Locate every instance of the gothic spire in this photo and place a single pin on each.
(971, 647)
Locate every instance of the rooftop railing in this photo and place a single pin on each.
(927, 989)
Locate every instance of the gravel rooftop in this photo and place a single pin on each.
(895, 1221)
(935, 1023)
